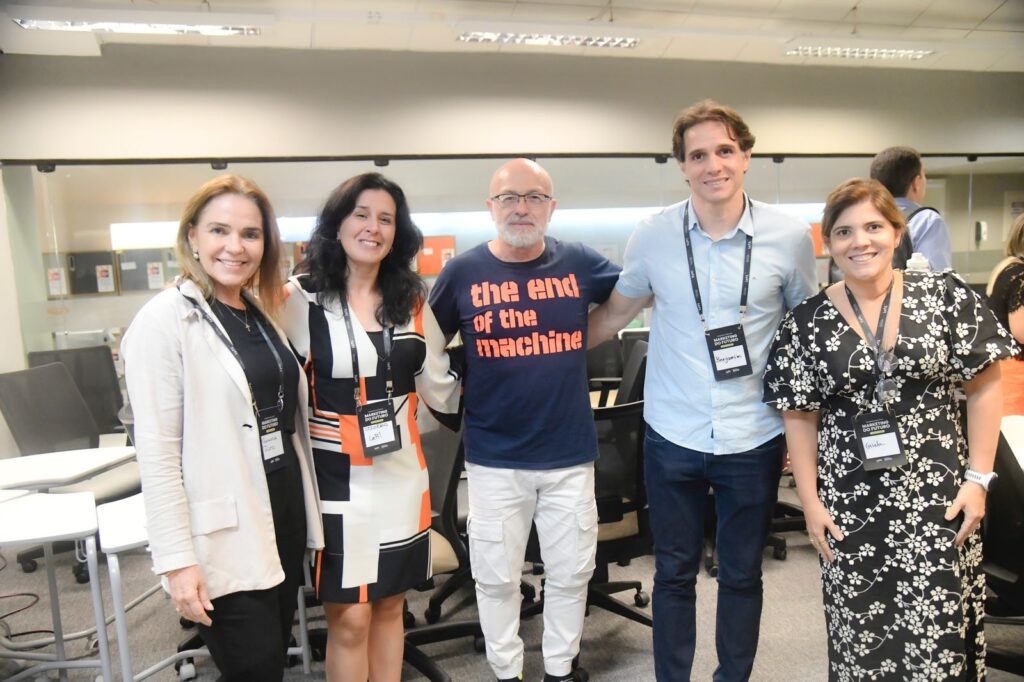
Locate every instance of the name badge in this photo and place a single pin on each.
(378, 428)
(728, 349)
(878, 437)
(271, 442)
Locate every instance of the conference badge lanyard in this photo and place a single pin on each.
(378, 427)
(727, 346)
(268, 418)
(876, 432)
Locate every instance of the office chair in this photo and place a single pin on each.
(1003, 545)
(92, 370)
(444, 454)
(623, 530)
(604, 369)
(46, 413)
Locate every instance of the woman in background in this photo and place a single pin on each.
(866, 374)
(357, 318)
(221, 435)
(1006, 298)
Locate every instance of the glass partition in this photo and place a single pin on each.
(73, 276)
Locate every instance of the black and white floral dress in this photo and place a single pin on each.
(901, 601)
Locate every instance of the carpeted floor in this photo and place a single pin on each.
(792, 644)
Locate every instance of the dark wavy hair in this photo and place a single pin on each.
(327, 265)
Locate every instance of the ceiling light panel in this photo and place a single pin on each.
(548, 39)
(866, 53)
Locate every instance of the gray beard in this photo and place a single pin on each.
(520, 239)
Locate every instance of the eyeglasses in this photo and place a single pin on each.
(511, 199)
(885, 389)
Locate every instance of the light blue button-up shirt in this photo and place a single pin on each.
(683, 402)
(929, 234)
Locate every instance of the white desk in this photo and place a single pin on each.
(53, 469)
(48, 518)
(8, 495)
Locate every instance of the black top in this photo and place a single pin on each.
(285, 483)
(1008, 293)
(260, 366)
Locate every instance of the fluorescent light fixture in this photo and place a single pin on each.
(879, 53)
(149, 235)
(136, 20)
(138, 28)
(547, 39)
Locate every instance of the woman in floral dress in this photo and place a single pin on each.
(903, 590)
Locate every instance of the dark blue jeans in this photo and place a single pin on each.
(746, 486)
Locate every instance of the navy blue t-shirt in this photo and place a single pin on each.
(525, 330)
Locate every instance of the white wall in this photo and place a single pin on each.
(146, 102)
(12, 351)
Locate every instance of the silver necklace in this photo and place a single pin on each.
(235, 315)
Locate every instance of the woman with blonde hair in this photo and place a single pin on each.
(1006, 298)
(221, 434)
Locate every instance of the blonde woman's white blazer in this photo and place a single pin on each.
(198, 448)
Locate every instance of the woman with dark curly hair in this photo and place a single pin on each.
(372, 350)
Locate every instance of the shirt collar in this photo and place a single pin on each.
(745, 225)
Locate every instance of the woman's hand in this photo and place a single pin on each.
(818, 521)
(188, 592)
(971, 501)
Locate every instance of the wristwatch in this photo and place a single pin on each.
(984, 480)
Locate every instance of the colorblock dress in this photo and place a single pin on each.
(901, 600)
(376, 511)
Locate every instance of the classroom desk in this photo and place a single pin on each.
(54, 469)
(44, 518)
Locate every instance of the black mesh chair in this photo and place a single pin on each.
(46, 413)
(1003, 559)
(604, 369)
(92, 370)
(623, 529)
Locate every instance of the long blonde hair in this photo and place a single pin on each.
(1014, 252)
(266, 283)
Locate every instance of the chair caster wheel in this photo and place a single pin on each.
(478, 645)
(779, 553)
(641, 599)
(432, 615)
(29, 566)
(186, 670)
(81, 573)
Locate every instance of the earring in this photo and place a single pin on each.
(195, 253)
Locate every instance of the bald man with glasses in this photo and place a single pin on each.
(520, 302)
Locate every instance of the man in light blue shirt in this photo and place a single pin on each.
(901, 171)
(722, 270)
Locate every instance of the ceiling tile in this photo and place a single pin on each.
(889, 12)
(957, 13)
(1009, 17)
(706, 49)
(353, 36)
(812, 10)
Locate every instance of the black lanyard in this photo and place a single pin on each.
(231, 347)
(693, 269)
(874, 341)
(355, 356)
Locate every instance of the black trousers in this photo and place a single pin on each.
(249, 637)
